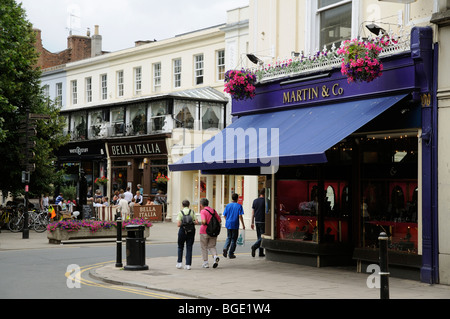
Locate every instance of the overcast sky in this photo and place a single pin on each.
(123, 22)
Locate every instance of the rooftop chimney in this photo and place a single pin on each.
(96, 43)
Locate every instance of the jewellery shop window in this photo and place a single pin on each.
(389, 193)
(297, 206)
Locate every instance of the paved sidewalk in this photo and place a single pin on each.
(242, 278)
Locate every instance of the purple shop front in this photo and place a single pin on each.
(349, 159)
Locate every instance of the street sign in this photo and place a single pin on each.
(34, 116)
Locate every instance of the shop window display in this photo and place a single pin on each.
(389, 194)
(298, 211)
(384, 200)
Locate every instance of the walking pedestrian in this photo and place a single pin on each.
(124, 207)
(185, 235)
(233, 213)
(207, 242)
(259, 221)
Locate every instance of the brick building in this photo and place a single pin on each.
(78, 48)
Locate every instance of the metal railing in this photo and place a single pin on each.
(322, 60)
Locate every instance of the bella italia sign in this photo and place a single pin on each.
(145, 148)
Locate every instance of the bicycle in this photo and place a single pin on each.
(5, 217)
(36, 219)
(6, 213)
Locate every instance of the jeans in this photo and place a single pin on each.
(232, 236)
(189, 240)
(260, 229)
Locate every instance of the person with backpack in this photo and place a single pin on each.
(186, 234)
(233, 213)
(209, 230)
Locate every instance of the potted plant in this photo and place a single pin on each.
(240, 84)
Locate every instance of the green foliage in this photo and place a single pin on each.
(69, 192)
(20, 93)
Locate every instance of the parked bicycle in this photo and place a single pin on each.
(6, 213)
(37, 220)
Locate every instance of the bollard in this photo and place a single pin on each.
(384, 272)
(119, 240)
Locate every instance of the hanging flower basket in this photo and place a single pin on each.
(360, 59)
(101, 180)
(162, 179)
(240, 84)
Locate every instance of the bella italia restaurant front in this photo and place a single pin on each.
(343, 162)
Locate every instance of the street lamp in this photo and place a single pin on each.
(375, 29)
(254, 59)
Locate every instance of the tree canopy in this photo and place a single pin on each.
(21, 94)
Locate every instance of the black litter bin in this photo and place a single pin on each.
(135, 248)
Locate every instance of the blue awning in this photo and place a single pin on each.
(288, 137)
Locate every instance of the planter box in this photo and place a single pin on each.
(58, 236)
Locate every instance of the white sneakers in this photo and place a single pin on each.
(205, 264)
(216, 261)
(180, 265)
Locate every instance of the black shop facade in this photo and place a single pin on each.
(343, 163)
(138, 161)
(87, 158)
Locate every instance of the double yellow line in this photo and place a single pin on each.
(78, 279)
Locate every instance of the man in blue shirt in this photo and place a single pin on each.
(233, 213)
